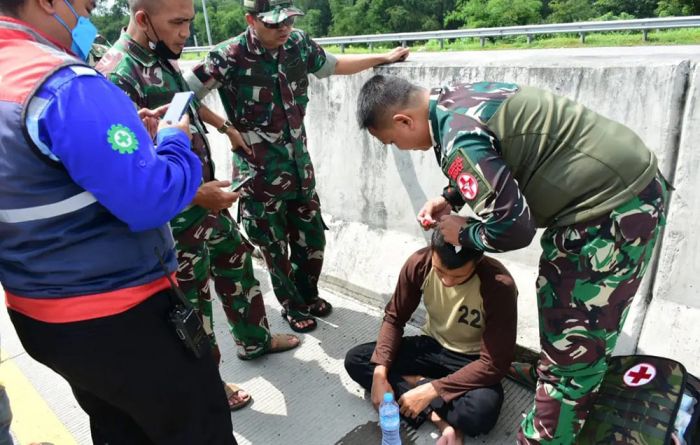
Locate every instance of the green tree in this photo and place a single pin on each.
(226, 20)
(567, 11)
(492, 13)
(318, 16)
(110, 18)
(668, 8)
(385, 16)
(636, 8)
(311, 22)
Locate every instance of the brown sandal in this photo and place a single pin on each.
(234, 392)
(320, 307)
(284, 343)
(294, 317)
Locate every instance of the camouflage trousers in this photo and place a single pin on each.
(213, 248)
(290, 235)
(588, 276)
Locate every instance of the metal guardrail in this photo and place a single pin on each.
(581, 28)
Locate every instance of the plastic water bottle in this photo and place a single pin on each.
(685, 414)
(389, 420)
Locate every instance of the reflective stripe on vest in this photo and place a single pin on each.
(69, 205)
(63, 256)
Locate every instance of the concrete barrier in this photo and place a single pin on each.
(670, 327)
(370, 193)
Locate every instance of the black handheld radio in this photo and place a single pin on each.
(185, 320)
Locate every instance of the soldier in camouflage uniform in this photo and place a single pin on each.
(262, 78)
(523, 158)
(207, 238)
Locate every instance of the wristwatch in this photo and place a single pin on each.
(224, 127)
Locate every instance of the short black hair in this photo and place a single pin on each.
(379, 96)
(150, 6)
(448, 255)
(11, 7)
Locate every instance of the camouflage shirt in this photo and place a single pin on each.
(523, 158)
(151, 82)
(265, 95)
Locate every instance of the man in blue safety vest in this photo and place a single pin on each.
(85, 251)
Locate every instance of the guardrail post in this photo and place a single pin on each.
(483, 41)
(342, 47)
(404, 44)
(645, 35)
(583, 37)
(529, 39)
(442, 43)
(370, 46)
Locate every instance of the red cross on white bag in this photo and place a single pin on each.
(468, 185)
(639, 375)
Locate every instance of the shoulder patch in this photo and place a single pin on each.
(122, 139)
(469, 179)
(455, 168)
(468, 186)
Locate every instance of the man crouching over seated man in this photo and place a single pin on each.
(452, 373)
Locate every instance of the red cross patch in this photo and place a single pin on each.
(455, 168)
(468, 185)
(639, 375)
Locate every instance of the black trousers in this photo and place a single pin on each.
(473, 413)
(134, 377)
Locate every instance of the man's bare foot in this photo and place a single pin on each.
(284, 342)
(450, 436)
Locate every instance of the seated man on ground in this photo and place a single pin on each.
(452, 373)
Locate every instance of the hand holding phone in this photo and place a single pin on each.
(183, 124)
(240, 182)
(178, 106)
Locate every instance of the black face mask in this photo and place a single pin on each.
(160, 48)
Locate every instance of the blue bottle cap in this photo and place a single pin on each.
(388, 397)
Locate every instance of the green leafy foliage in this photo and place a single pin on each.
(492, 13)
(353, 17)
(226, 20)
(110, 18)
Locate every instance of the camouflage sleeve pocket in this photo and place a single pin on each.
(257, 224)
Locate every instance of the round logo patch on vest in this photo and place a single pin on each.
(122, 139)
(639, 375)
(468, 185)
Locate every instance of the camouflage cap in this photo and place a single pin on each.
(272, 11)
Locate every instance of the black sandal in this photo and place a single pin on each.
(320, 307)
(294, 317)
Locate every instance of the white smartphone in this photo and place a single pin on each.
(178, 106)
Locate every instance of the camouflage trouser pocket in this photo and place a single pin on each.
(638, 220)
(192, 227)
(264, 222)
